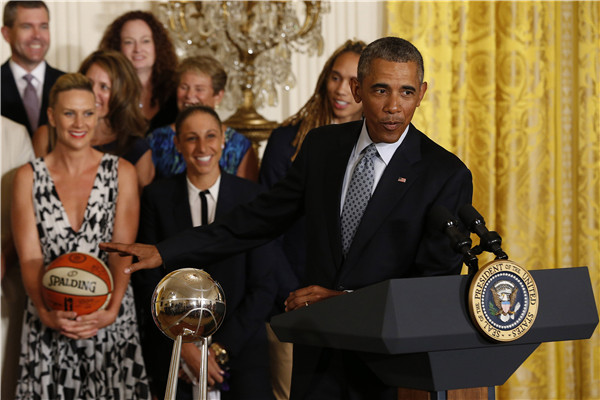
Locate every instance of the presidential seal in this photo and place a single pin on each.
(503, 300)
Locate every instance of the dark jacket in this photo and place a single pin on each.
(12, 104)
(246, 278)
(391, 241)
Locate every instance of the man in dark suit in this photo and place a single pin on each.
(410, 175)
(170, 206)
(25, 28)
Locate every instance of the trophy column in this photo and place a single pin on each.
(188, 306)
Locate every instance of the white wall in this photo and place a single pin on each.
(77, 26)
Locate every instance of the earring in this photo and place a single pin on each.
(223, 146)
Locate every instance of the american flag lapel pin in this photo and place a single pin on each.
(402, 180)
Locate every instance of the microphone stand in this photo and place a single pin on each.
(489, 241)
(462, 244)
(440, 219)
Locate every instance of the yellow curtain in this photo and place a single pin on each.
(514, 91)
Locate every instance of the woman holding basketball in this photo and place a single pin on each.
(70, 201)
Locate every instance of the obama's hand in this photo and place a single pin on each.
(147, 255)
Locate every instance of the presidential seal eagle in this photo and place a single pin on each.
(505, 296)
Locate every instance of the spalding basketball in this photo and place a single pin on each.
(77, 282)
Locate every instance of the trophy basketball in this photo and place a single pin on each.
(188, 306)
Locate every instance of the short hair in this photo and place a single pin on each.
(66, 82)
(392, 49)
(165, 60)
(204, 64)
(124, 116)
(188, 112)
(10, 10)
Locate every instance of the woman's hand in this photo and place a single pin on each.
(193, 357)
(98, 319)
(71, 325)
(65, 322)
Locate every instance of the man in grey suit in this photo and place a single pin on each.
(26, 77)
(406, 175)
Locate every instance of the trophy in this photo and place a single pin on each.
(188, 306)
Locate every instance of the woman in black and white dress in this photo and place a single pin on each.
(69, 201)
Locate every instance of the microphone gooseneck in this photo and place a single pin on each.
(489, 241)
(440, 219)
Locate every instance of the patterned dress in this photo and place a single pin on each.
(169, 162)
(108, 365)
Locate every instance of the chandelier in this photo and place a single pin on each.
(254, 41)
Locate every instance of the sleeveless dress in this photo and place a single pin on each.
(169, 162)
(109, 365)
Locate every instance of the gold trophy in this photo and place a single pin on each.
(188, 306)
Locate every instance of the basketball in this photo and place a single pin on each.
(77, 282)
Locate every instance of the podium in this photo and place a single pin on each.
(417, 333)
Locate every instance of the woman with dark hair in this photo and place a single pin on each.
(203, 193)
(332, 102)
(69, 201)
(146, 43)
(121, 125)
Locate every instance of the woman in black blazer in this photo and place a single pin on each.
(172, 205)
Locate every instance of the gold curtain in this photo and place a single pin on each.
(514, 91)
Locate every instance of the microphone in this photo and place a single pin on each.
(440, 219)
(490, 241)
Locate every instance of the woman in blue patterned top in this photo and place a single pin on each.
(201, 80)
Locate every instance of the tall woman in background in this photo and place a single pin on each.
(70, 201)
(331, 103)
(121, 125)
(146, 43)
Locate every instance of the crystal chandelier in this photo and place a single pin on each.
(254, 41)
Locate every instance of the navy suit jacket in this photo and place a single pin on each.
(12, 103)
(391, 241)
(247, 281)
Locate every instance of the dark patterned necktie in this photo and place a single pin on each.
(357, 198)
(204, 208)
(31, 102)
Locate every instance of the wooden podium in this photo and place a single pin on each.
(417, 334)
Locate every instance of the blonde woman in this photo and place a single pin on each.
(69, 201)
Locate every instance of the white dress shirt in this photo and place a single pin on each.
(38, 78)
(196, 204)
(385, 153)
(196, 209)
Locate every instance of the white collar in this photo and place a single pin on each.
(213, 190)
(19, 72)
(386, 150)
